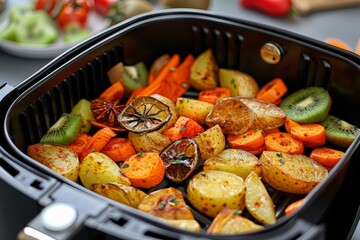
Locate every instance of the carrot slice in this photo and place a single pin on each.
(114, 93)
(312, 135)
(268, 131)
(213, 94)
(250, 140)
(338, 43)
(134, 94)
(294, 206)
(173, 133)
(272, 91)
(184, 127)
(145, 170)
(258, 151)
(79, 143)
(289, 123)
(97, 141)
(283, 142)
(156, 84)
(119, 149)
(326, 156)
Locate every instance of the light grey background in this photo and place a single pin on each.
(340, 23)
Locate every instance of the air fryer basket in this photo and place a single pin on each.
(31, 108)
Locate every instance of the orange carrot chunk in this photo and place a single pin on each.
(114, 93)
(119, 149)
(338, 43)
(289, 123)
(312, 135)
(272, 91)
(213, 94)
(145, 170)
(250, 140)
(283, 142)
(79, 143)
(173, 133)
(97, 141)
(326, 156)
(294, 206)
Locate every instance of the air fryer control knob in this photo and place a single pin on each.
(271, 53)
(58, 216)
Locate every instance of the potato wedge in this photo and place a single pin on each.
(258, 201)
(268, 115)
(209, 191)
(166, 203)
(239, 83)
(235, 161)
(195, 109)
(211, 142)
(229, 221)
(292, 173)
(149, 142)
(58, 158)
(97, 167)
(204, 72)
(189, 225)
(232, 115)
(124, 194)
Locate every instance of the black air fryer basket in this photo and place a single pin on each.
(27, 111)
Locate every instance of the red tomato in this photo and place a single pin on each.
(74, 12)
(103, 6)
(277, 8)
(47, 5)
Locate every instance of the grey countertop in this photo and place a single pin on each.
(340, 23)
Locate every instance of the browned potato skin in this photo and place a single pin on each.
(204, 72)
(189, 225)
(211, 142)
(209, 191)
(229, 221)
(192, 108)
(149, 142)
(124, 194)
(160, 203)
(291, 173)
(237, 161)
(268, 115)
(232, 115)
(258, 201)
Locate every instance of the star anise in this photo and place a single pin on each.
(106, 112)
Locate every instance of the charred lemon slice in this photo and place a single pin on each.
(144, 114)
(180, 158)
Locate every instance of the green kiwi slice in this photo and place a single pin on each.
(83, 108)
(339, 132)
(307, 105)
(64, 130)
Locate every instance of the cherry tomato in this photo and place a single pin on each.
(277, 8)
(74, 12)
(103, 6)
(47, 5)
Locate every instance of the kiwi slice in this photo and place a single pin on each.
(307, 105)
(339, 132)
(83, 108)
(64, 130)
(135, 76)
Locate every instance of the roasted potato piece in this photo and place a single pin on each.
(229, 221)
(195, 109)
(211, 142)
(258, 201)
(210, 190)
(190, 225)
(149, 142)
(166, 203)
(58, 158)
(232, 115)
(235, 161)
(204, 72)
(268, 115)
(124, 194)
(239, 83)
(97, 167)
(292, 173)
(174, 114)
